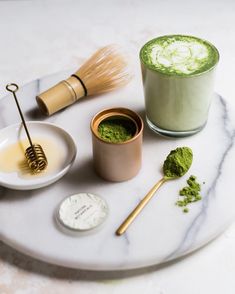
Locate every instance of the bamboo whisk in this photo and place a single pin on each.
(104, 71)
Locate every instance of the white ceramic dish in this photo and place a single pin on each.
(62, 144)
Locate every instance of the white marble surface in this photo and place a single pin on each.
(167, 232)
(36, 42)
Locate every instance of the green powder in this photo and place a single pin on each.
(116, 130)
(179, 55)
(189, 194)
(178, 162)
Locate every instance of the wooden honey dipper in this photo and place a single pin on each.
(106, 70)
(34, 154)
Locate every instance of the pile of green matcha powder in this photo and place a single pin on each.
(177, 162)
(176, 165)
(116, 130)
(189, 194)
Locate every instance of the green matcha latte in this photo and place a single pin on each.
(178, 74)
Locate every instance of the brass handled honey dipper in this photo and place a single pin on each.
(36, 158)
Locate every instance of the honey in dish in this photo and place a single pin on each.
(12, 158)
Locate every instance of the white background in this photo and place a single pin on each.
(42, 37)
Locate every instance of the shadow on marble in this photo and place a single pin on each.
(35, 114)
(83, 175)
(148, 134)
(9, 195)
(30, 265)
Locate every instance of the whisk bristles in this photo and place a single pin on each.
(104, 71)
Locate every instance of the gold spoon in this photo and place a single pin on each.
(175, 172)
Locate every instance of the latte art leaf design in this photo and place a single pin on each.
(182, 55)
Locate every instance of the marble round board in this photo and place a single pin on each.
(162, 232)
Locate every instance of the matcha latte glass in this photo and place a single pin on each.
(178, 78)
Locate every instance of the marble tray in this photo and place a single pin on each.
(162, 232)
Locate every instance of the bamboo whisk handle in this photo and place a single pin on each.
(60, 96)
(127, 222)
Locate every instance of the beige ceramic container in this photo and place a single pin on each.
(117, 161)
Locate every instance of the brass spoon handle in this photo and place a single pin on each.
(123, 227)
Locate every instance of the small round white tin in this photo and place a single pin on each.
(82, 212)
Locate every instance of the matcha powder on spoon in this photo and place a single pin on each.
(177, 162)
(176, 165)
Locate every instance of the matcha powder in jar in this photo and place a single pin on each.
(117, 129)
(117, 143)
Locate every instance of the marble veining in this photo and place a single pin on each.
(162, 232)
(193, 229)
(34, 46)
